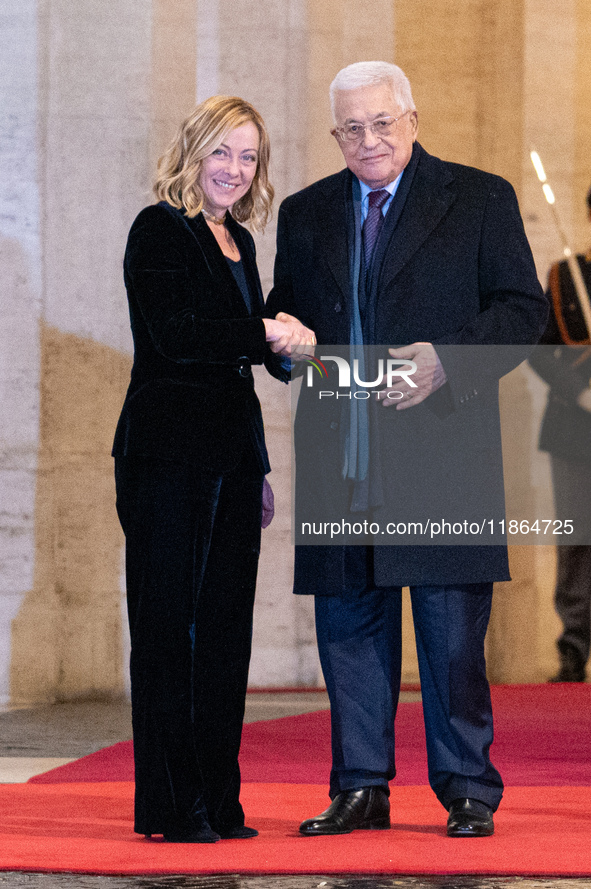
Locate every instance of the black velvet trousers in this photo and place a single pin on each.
(192, 548)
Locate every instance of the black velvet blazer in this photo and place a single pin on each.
(191, 395)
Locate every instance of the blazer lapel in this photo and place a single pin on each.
(217, 263)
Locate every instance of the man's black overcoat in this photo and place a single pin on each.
(455, 269)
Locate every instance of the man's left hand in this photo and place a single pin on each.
(428, 377)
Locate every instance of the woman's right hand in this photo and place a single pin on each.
(289, 337)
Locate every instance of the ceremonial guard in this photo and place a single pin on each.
(566, 436)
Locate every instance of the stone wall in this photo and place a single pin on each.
(90, 95)
(20, 295)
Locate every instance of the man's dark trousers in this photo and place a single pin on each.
(359, 639)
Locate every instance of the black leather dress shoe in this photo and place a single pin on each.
(364, 809)
(470, 818)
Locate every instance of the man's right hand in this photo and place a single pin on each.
(289, 337)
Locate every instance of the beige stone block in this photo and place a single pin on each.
(271, 91)
(85, 78)
(16, 526)
(438, 48)
(19, 408)
(368, 31)
(84, 384)
(94, 171)
(66, 655)
(44, 588)
(274, 589)
(87, 537)
(275, 567)
(513, 630)
(19, 351)
(272, 666)
(524, 626)
(288, 150)
(173, 70)
(34, 669)
(91, 664)
(549, 624)
(582, 154)
(340, 33)
(549, 119)
(77, 536)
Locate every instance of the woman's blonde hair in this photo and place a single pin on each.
(179, 168)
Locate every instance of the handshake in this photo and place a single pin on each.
(289, 337)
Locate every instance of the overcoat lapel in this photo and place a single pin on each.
(430, 196)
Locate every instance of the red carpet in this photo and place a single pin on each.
(543, 737)
(79, 818)
(87, 828)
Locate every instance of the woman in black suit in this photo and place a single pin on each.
(190, 462)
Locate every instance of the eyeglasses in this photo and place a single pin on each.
(383, 126)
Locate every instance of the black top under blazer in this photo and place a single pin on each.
(453, 268)
(191, 396)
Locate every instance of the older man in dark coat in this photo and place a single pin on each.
(407, 250)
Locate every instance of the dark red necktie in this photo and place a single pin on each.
(373, 222)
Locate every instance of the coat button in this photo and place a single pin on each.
(334, 424)
(338, 307)
(244, 366)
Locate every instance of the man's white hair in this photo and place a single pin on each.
(361, 74)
